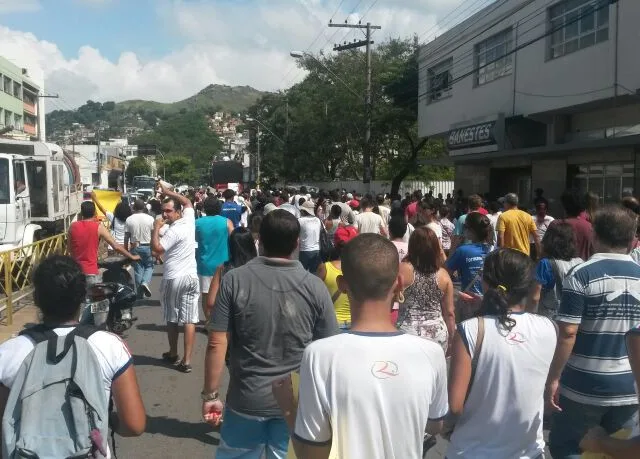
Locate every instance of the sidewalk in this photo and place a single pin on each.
(28, 314)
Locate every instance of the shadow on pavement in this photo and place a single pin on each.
(176, 428)
(145, 360)
(146, 303)
(157, 274)
(152, 327)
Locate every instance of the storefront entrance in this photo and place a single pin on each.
(512, 180)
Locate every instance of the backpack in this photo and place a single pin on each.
(57, 406)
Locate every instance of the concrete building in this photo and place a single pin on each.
(538, 94)
(20, 105)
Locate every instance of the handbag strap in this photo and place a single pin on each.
(473, 281)
(476, 353)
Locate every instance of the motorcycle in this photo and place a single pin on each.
(112, 300)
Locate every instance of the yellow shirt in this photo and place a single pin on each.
(341, 305)
(516, 225)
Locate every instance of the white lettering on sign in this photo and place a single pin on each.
(471, 135)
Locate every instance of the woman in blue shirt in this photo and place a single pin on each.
(468, 260)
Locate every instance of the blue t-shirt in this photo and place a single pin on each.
(468, 259)
(544, 274)
(212, 236)
(233, 211)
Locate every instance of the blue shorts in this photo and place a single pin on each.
(252, 437)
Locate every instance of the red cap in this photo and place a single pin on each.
(344, 234)
(354, 204)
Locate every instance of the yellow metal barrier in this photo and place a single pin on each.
(17, 266)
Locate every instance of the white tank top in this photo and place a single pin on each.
(502, 418)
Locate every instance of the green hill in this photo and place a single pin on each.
(234, 99)
(144, 114)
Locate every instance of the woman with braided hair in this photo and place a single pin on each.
(499, 367)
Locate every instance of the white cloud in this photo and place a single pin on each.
(20, 6)
(230, 43)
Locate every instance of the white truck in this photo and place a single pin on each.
(40, 192)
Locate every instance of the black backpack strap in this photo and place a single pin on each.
(85, 331)
(38, 333)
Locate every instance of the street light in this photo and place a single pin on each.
(302, 54)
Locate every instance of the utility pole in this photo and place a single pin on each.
(258, 158)
(366, 157)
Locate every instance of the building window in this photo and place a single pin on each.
(6, 84)
(8, 118)
(492, 57)
(577, 24)
(17, 125)
(17, 90)
(609, 181)
(440, 81)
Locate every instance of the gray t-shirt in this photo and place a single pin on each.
(273, 309)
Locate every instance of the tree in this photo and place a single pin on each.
(324, 124)
(137, 166)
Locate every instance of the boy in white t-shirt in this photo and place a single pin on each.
(369, 392)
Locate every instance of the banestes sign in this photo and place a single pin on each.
(472, 136)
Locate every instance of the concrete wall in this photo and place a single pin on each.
(583, 76)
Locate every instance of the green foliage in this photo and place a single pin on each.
(180, 170)
(325, 120)
(137, 166)
(186, 135)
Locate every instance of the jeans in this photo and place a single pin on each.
(252, 437)
(310, 260)
(143, 269)
(569, 426)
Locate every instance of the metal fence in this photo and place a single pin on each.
(17, 267)
(380, 186)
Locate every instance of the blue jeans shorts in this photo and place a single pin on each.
(252, 437)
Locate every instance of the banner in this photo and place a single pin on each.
(108, 199)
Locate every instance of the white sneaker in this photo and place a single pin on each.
(146, 290)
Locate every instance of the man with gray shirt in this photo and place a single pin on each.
(271, 309)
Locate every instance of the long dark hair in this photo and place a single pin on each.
(479, 225)
(242, 247)
(509, 275)
(122, 211)
(424, 251)
(559, 242)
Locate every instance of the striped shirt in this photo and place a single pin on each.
(602, 296)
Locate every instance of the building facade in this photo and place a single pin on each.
(538, 94)
(21, 109)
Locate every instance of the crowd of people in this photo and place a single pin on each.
(364, 326)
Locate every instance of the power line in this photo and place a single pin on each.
(524, 45)
(441, 23)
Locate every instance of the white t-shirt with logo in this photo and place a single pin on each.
(371, 394)
(369, 222)
(502, 418)
(179, 244)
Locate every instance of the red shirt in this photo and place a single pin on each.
(83, 243)
(411, 210)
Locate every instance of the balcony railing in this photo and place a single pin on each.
(29, 107)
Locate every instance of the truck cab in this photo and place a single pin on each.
(39, 193)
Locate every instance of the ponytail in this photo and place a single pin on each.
(509, 274)
(495, 302)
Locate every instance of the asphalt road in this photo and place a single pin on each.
(171, 398)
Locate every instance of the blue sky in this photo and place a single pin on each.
(167, 50)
